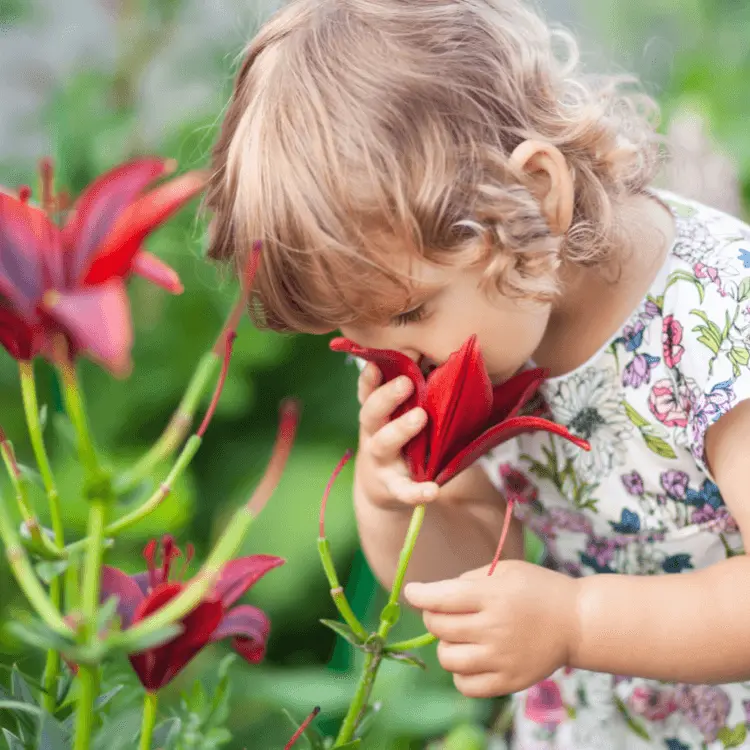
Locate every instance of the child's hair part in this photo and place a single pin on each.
(361, 129)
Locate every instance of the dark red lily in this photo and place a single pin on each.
(466, 415)
(70, 279)
(211, 620)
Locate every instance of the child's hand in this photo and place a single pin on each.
(381, 470)
(503, 633)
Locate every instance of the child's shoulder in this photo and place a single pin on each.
(715, 244)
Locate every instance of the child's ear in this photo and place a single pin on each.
(550, 181)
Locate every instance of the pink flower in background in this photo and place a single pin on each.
(669, 407)
(544, 704)
(652, 703)
(671, 338)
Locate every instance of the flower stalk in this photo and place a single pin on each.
(31, 411)
(150, 704)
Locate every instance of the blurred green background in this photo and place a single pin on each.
(93, 82)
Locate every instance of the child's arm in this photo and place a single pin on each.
(503, 633)
(691, 627)
(460, 531)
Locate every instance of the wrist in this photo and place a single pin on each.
(574, 627)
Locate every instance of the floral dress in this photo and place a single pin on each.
(642, 501)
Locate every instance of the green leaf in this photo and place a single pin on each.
(52, 736)
(149, 640)
(19, 688)
(684, 276)
(342, 629)
(50, 569)
(405, 658)
(733, 737)
(107, 697)
(14, 743)
(744, 290)
(660, 447)
(710, 342)
(740, 355)
(21, 707)
(350, 745)
(166, 731)
(105, 614)
(634, 416)
(368, 720)
(38, 635)
(466, 737)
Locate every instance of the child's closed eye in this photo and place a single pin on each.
(410, 316)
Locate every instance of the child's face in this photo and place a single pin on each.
(451, 308)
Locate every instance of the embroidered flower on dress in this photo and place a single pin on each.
(705, 706)
(671, 341)
(589, 404)
(670, 407)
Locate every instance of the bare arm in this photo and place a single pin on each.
(460, 532)
(691, 627)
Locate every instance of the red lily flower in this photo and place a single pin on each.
(467, 416)
(70, 280)
(211, 620)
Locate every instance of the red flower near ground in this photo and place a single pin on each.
(211, 620)
(70, 279)
(466, 415)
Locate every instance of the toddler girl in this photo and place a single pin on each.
(423, 170)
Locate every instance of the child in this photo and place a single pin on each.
(424, 170)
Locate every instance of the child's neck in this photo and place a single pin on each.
(596, 301)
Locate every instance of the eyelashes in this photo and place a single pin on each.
(410, 316)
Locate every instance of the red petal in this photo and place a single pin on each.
(98, 321)
(459, 403)
(101, 204)
(157, 272)
(27, 241)
(393, 363)
(237, 576)
(158, 666)
(114, 256)
(501, 433)
(21, 339)
(116, 583)
(249, 626)
(510, 397)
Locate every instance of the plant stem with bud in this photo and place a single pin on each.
(150, 703)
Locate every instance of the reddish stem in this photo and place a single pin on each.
(503, 534)
(303, 726)
(11, 453)
(229, 343)
(343, 462)
(281, 450)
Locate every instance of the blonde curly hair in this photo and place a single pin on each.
(360, 129)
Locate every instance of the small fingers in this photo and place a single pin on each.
(453, 628)
(369, 379)
(405, 490)
(387, 442)
(382, 402)
(462, 658)
(484, 685)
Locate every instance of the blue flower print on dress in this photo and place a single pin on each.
(675, 744)
(745, 258)
(677, 563)
(707, 495)
(629, 523)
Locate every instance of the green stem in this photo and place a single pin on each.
(337, 591)
(132, 518)
(88, 682)
(92, 564)
(178, 426)
(77, 413)
(24, 574)
(359, 702)
(150, 703)
(388, 619)
(419, 641)
(31, 410)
